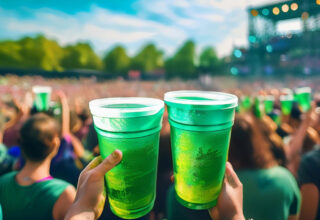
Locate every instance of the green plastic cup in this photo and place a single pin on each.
(131, 125)
(259, 107)
(286, 104)
(303, 96)
(246, 103)
(268, 104)
(43, 95)
(200, 133)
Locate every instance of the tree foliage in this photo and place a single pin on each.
(81, 56)
(38, 52)
(148, 59)
(42, 53)
(117, 61)
(209, 61)
(183, 62)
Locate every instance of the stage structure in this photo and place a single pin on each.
(284, 38)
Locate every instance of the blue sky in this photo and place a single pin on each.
(105, 23)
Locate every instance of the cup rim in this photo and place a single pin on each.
(287, 91)
(41, 89)
(219, 100)
(269, 98)
(303, 90)
(286, 98)
(98, 107)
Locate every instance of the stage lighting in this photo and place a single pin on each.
(266, 12)
(285, 8)
(294, 6)
(252, 39)
(237, 53)
(269, 48)
(254, 12)
(305, 15)
(275, 10)
(234, 70)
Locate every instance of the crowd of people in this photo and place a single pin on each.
(42, 154)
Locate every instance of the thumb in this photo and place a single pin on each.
(107, 164)
(231, 176)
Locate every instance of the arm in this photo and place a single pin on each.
(310, 201)
(293, 149)
(65, 127)
(77, 146)
(63, 203)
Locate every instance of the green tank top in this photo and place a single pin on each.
(35, 201)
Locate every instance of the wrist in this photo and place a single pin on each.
(238, 217)
(80, 211)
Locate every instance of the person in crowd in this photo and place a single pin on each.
(33, 193)
(14, 113)
(270, 191)
(90, 197)
(71, 156)
(298, 141)
(7, 162)
(309, 182)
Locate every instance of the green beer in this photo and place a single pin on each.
(286, 104)
(303, 96)
(200, 133)
(268, 104)
(42, 100)
(131, 125)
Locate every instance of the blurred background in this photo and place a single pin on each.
(160, 39)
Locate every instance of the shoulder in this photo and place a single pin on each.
(63, 203)
(7, 177)
(309, 168)
(282, 174)
(54, 187)
(311, 159)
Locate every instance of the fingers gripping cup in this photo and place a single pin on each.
(42, 100)
(131, 125)
(200, 133)
(303, 96)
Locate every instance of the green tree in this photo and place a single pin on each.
(148, 59)
(117, 61)
(80, 56)
(183, 62)
(209, 61)
(37, 52)
(10, 54)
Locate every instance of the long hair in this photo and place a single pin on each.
(249, 147)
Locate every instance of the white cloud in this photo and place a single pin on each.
(100, 26)
(221, 23)
(237, 37)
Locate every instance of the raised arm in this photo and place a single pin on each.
(65, 122)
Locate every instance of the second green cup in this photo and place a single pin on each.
(200, 133)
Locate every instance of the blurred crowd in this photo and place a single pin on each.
(275, 155)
